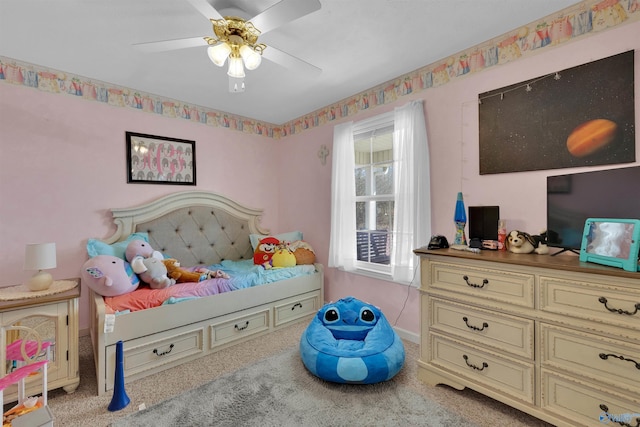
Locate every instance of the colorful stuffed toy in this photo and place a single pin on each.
(109, 276)
(264, 251)
(350, 341)
(147, 264)
(182, 275)
(283, 257)
(520, 242)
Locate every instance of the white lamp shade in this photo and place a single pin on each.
(236, 69)
(40, 256)
(219, 53)
(252, 59)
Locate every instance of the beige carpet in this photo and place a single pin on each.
(84, 407)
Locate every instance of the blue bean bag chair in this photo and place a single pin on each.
(350, 341)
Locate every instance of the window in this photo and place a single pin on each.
(380, 193)
(373, 172)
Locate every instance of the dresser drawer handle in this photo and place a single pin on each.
(603, 300)
(606, 356)
(475, 328)
(155, 350)
(471, 365)
(473, 285)
(605, 417)
(242, 328)
(296, 305)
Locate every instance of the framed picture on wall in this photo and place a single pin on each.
(581, 116)
(153, 159)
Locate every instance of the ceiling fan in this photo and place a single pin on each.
(236, 39)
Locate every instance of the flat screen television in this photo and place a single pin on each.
(572, 198)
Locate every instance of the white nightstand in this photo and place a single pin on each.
(55, 319)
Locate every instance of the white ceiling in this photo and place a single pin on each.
(358, 44)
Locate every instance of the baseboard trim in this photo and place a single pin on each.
(407, 335)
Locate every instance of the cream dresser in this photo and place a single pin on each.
(550, 336)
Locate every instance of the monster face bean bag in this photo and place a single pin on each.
(350, 341)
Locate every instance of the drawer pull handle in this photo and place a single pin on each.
(296, 305)
(471, 365)
(606, 356)
(473, 285)
(155, 350)
(603, 300)
(605, 417)
(475, 328)
(242, 328)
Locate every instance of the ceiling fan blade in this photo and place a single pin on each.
(289, 61)
(283, 12)
(206, 9)
(167, 45)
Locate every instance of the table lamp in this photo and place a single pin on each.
(40, 256)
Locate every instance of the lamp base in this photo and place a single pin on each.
(40, 281)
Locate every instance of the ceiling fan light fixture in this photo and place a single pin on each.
(219, 53)
(251, 58)
(236, 69)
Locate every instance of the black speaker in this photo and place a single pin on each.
(483, 222)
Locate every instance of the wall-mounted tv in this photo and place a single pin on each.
(572, 198)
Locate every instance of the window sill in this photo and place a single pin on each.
(378, 276)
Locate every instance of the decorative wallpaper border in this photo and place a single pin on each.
(589, 16)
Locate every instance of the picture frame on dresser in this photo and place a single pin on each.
(153, 159)
(613, 242)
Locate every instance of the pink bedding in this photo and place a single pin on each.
(145, 297)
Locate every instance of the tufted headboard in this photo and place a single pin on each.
(195, 227)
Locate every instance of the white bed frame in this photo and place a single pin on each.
(189, 226)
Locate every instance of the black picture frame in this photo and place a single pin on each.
(153, 159)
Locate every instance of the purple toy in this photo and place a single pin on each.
(109, 276)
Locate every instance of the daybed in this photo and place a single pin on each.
(197, 228)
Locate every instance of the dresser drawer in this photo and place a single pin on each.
(586, 404)
(485, 368)
(599, 358)
(486, 328)
(239, 327)
(498, 285)
(295, 308)
(148, 353)
(591, 301)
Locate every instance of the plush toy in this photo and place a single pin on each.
(350, 341)
(264, 251)
(182, 275)
(283, 257)
(109, 276)
(152, 271)
(212, 274)
(520, 242)
(140, 248)
(303, 252)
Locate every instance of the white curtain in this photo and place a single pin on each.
(342, 244)
(412, 214)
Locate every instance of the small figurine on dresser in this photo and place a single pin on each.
(520, 242)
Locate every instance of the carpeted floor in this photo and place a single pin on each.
(84, 407)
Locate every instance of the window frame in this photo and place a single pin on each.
(367, 129)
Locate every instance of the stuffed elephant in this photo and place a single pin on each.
(152, 271)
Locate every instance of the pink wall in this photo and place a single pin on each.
(62, 165)
(451, 114)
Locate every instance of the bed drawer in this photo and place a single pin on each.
(295, 308)
(484, 283)
(148, 353)
(586, 404)
(502, 332)
(602, 303)
(484, 368)
(600, 358)
(239, 327)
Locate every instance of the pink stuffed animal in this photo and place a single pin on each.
(109, 276)
(147, 264)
